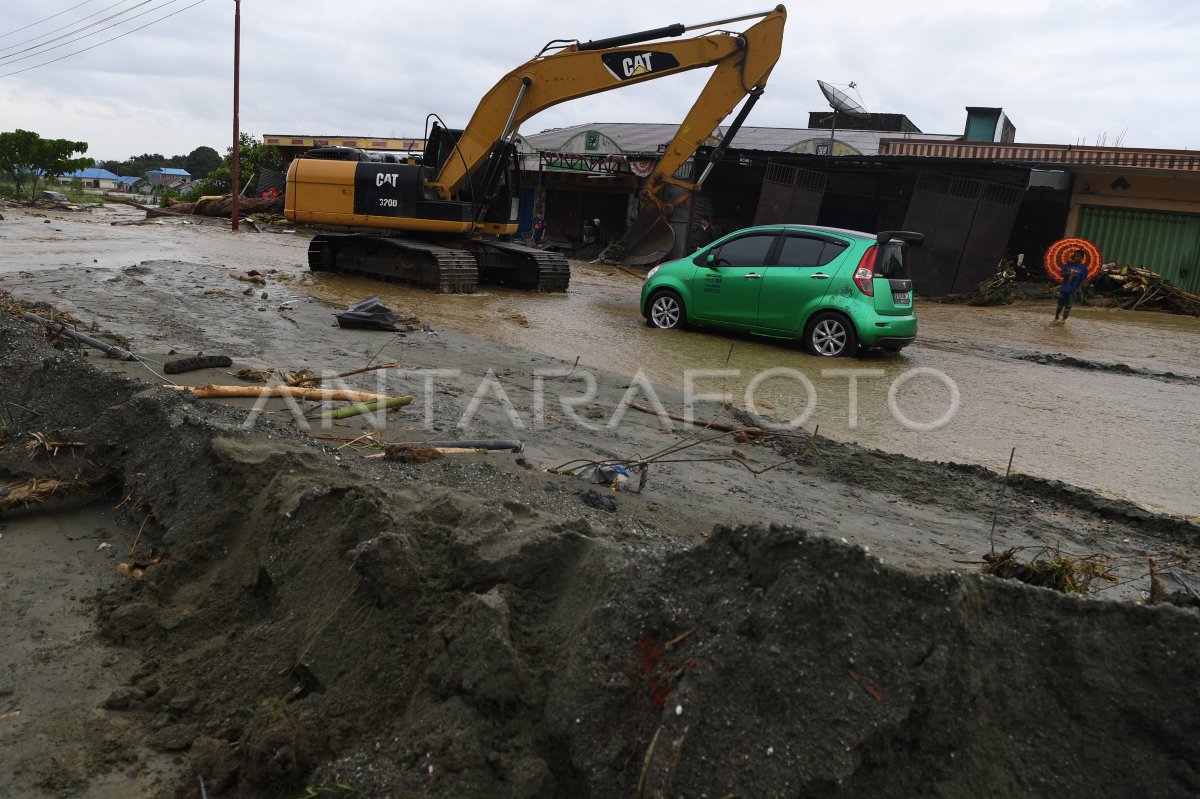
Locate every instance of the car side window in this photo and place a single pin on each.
(749, 250)
(807, 251)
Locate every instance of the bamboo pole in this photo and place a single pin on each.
(366, 407)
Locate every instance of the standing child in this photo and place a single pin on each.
(539, 230)
(1074, 272)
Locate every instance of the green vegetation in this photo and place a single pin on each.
(139, 165)
(254, 156)
(198, 163)
(27, 160)
(201, 162)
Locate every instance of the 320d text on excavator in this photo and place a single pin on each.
(446, 220)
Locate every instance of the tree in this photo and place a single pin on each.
(201, 161)
(138, 165)
(254, 158)
(25, 157)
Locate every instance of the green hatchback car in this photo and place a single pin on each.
(836, 290)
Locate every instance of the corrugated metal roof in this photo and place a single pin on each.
(171, 171)
(645, 138)
(92, 173)
(1123, 157)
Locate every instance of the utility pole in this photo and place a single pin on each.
(237, 138)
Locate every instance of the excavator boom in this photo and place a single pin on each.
(742, 62)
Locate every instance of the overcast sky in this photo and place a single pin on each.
(1064, 71)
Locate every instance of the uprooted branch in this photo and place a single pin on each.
(641, 466)
(26, 493)
(306, 380)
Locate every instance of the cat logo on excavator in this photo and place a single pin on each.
(625, 65)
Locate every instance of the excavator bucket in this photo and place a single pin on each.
(649, 239)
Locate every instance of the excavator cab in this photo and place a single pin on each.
(492, 189)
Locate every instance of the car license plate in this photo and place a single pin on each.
(900, 297)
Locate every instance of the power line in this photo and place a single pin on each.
(71, 35)
(47, 19)
(106, 41)
(12, 60)
(63, 27)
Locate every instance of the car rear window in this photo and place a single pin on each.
(746, 251)
(892, 261)
(808, 251)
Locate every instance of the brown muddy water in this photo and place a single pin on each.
(956, 395)
(1130, 436)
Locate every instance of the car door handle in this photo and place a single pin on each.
(753, 276)
(819, 276)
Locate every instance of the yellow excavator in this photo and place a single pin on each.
(445, 221)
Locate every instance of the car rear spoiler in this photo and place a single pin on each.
(907, 236)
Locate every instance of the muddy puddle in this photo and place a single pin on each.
(957, 395)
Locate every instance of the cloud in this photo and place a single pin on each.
(1061, 70)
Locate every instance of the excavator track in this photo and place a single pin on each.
(508, 264)
(442, 269)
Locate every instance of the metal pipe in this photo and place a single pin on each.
(720, 149)
(526, 82)
(717, 22)
(108, 349)
(677, 29)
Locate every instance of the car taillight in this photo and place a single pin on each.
(864, 275)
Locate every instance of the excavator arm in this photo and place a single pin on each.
(742, 62)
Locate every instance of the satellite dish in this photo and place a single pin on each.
(840, 101)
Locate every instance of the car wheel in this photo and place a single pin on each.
(666, 311)
(830, 335)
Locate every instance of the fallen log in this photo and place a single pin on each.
(223, 206)
(211, 391)
(196, 363)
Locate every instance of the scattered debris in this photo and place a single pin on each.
(305, 376)
(372, 314)
(996, 290)
(1051, 569)
(612, 475)
(595, 499)
(39, 442)
(251, 276)
(1133, 287)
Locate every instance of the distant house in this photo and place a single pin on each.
(132, 184)
(93, 178)
(168, 178)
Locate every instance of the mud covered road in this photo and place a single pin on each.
(477, 626)
(1105, 403)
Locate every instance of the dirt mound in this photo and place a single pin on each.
(304, 624)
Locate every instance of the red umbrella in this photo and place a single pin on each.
(1060, 253)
